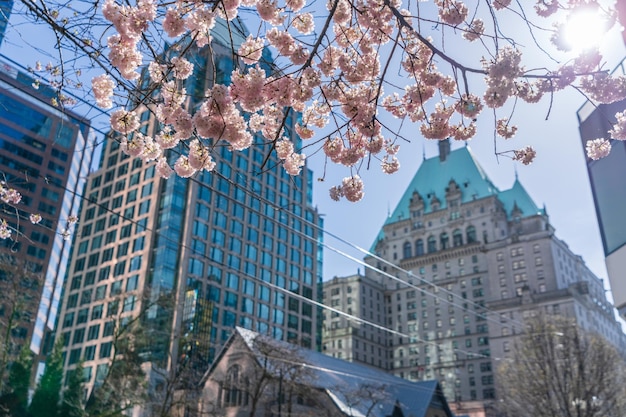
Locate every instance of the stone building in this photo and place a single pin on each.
(458, 265)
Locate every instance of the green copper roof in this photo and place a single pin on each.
(433, 177)
(517, 197)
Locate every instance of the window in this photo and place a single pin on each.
(234, 393)
(445, 241)
(457, 238)
(105, 350)
(406, 250)
(94, 332)
(432, 244)
(419, 247)
(470, 234)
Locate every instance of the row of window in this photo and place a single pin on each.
(444, 242)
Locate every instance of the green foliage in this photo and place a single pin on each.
(47, 396)
(14, 403)
(72, 404)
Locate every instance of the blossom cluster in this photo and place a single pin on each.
(336, 76)
(12, 197)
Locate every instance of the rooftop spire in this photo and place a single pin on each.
(444, 149)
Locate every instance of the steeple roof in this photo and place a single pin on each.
(433, 177)
(517, 198)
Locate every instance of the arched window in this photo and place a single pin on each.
(234, 388)
(457, 238)
(445, 241)
(419, 247)
(471, 234)
(406, 250)
(432, 244)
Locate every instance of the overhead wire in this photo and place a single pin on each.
(351, 317)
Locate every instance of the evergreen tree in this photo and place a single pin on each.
(48, 393)
(72, 404)
(15, 402)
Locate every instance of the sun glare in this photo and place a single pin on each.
(585, 29)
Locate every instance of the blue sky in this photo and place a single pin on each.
(557, 178)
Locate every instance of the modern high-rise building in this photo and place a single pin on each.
(456, 268)
(45, 154)
(192, 258)
(5, 12)
(609, 193)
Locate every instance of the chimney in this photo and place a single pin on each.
(444, 149)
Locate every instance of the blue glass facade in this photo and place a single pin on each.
(239, 246)
(43, 155)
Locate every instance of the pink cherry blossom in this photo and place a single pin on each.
(334, 149)
(504, 129)
(174, 24)
(526, 155)
(598, 148)
(182, 68)
(293, 163)
(452, 12)
(35, 218)
(5, 230)
(500, 4)
(124, 121)
(619, 128)
(102, 87)
(200, 157)
(463, 132)
(295, 5)
(284, 148)
(167, 139)
(469, 106)
(163, 169)
(475, 30)
(545, 8)
(336, 192)
(390, 164)
(251, 50)
(200, 22)
(9, 195)
(304, 23)
(183, 168)
(352, 188)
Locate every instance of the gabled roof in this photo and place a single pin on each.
(517, 198)
(342, 379)
(433, 177)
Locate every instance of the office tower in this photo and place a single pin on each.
(45, 154)
(460, 264)
(5, 12)
(237, 246)
(609, 193)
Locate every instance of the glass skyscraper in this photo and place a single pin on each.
(5, 12)
(609, 193)
(236, 247)
(45, 154)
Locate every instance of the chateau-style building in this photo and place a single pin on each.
(455, 269)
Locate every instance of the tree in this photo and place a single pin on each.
(19, 287)
(73, 404)
(124, 385)
(558, 369)
(348, 68)
(47, 396)
(15, 402)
